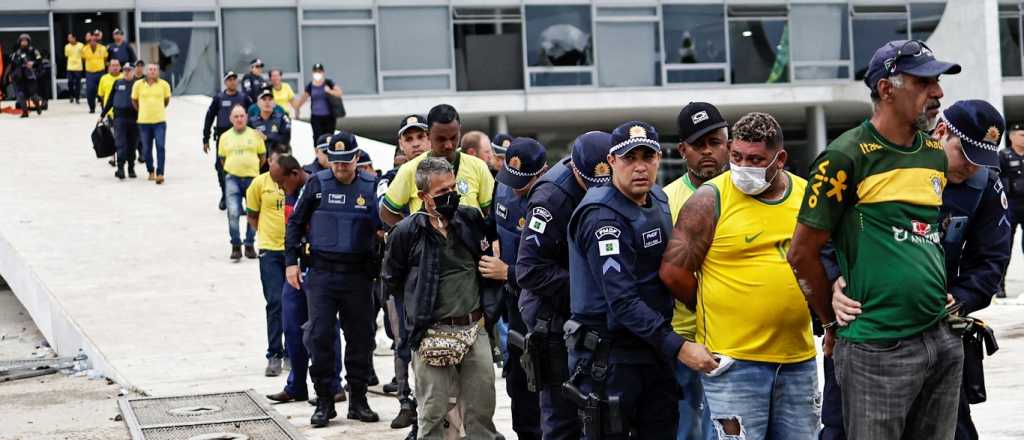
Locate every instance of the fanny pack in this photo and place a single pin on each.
(444, 346)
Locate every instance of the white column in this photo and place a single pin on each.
(968, 34)
(499, 124)
(816, 136)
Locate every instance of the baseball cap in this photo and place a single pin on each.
(500, 144)
(980, 128)
(525, 159)
(912, 57)
(631, 135)
(230, 74)
(118, 32)
(256, 62)
(589, 157)
(318, 66)
(412, 121)
(342, 147)
(321, 142)
(128, 65)
(697, 119)
(364, 159)
(266, 91)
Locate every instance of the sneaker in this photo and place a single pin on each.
(250, 252)
(159, 180)
(236, 252)
(273, 364)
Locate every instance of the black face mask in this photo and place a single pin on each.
(446, 204)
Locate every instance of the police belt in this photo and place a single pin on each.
(544, 354)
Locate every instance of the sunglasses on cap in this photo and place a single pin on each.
(909, 49)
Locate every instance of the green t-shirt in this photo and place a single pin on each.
(881, 202)
(458, 293)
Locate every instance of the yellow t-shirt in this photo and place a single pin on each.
(95, 60)
(241, 152)
(106, 84)
(284, 97)
(749, 306)
(473, 181)
(151, 100)
(73, 52)
(684, 321)
(267, 198)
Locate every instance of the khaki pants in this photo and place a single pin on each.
(474, 378)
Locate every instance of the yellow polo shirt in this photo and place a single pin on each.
(95, 60)
(106, 84)
(684, 322)
(267, 198)
(151, 100)
(473, 182)
(73, 52)
(241, 152)
(284, 97)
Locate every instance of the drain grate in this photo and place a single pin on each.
(240, 415)
(10, 365)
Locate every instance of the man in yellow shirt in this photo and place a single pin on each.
(704, 145)
(241, 152)
(94, 55)
(473, 179)
(734, 231)
(150, 97)
(283, 93)
(107, 81)
(264, 207)
(73, 52)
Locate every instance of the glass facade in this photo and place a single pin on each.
(559, 45)
(629, 39)
(185, 46)
(488, 49)
(414, 48)
(270, 34)
(1010, 39)
(694, 42)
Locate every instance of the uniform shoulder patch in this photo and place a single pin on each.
(542, 213)
(608, 247)
(608, 231)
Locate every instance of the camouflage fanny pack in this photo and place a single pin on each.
(444, 346)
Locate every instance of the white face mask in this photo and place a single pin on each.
(318, 77)
(751, 180)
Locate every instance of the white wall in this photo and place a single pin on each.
(968, 34)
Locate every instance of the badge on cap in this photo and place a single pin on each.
(637, 131)
(339, 146)
(602, 170)
(992, 135)
(411, 120)
(506, 142)
(515, 163)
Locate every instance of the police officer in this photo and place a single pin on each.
(621, 346)
(253, 81)
(336, 212)
(275, 127)
(527, 162)
(120, 49)
(499, 144)
(126, 131)
(220, 110)
(975, 234)
(1011, 171)
(542, 272)
(320, 160)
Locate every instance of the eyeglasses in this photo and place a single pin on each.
(909, 49)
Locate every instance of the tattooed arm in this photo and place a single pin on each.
(804, 258)
(691, 239)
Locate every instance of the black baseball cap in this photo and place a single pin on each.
(256, 62)
(412, 121)
(230, 74)
(266, 91)
(342, 147)
(318, 66)
(118, 32)
(980, 127)
(589, 157)
(631, 135)
(912, 57)
(697, 119)
(525, 159)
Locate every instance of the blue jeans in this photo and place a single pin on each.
(148, 134)
(272, 278)
(234, 189)
(775, 401)
(92, 82)
(294, 315)
(75, 83)
(694, 417)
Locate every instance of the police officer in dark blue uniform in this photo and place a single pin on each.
(253, 81)
(542, 272)
(337, 213)
(622, 348)
(220, 110)
(276, 127)
(320, 160)
(120, 49)
(1011, 171)
(975, 236)
(126, 131)
(526, 162)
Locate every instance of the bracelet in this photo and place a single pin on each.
(830, 325)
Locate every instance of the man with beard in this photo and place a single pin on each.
(705, 136)
(876, 193)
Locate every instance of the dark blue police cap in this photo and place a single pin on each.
(524, 160)
(321, 142)
(500, 144)
(634, 134)
(364, 159)
(912, 57)
(412, 121)
(342, 147)
(589, 157)
(980, 127)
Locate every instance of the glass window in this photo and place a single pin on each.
(626, 12)
(488, 49)
(628, 53)
(178, 16)
(414, 38)
(697, 75)
(1009, 45)
(187, 58)
(923, 19)
(558, 35)
(694, 34)
(760, 51)
(270, 34)
(349, 14)
(540, 79)
(347, 53)
(425, 82)
(820, 34)
(870, 32)
(820, 72)
(8, 19)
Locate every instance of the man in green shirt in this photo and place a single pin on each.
(876, 192)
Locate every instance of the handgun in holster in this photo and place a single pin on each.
(600, 414)
(526, 359)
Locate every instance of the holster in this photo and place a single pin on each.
(600, 414)
(544, 356)
(979, 339)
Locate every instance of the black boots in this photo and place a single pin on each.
(406, 415)
(323, 414)
(359, 408)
